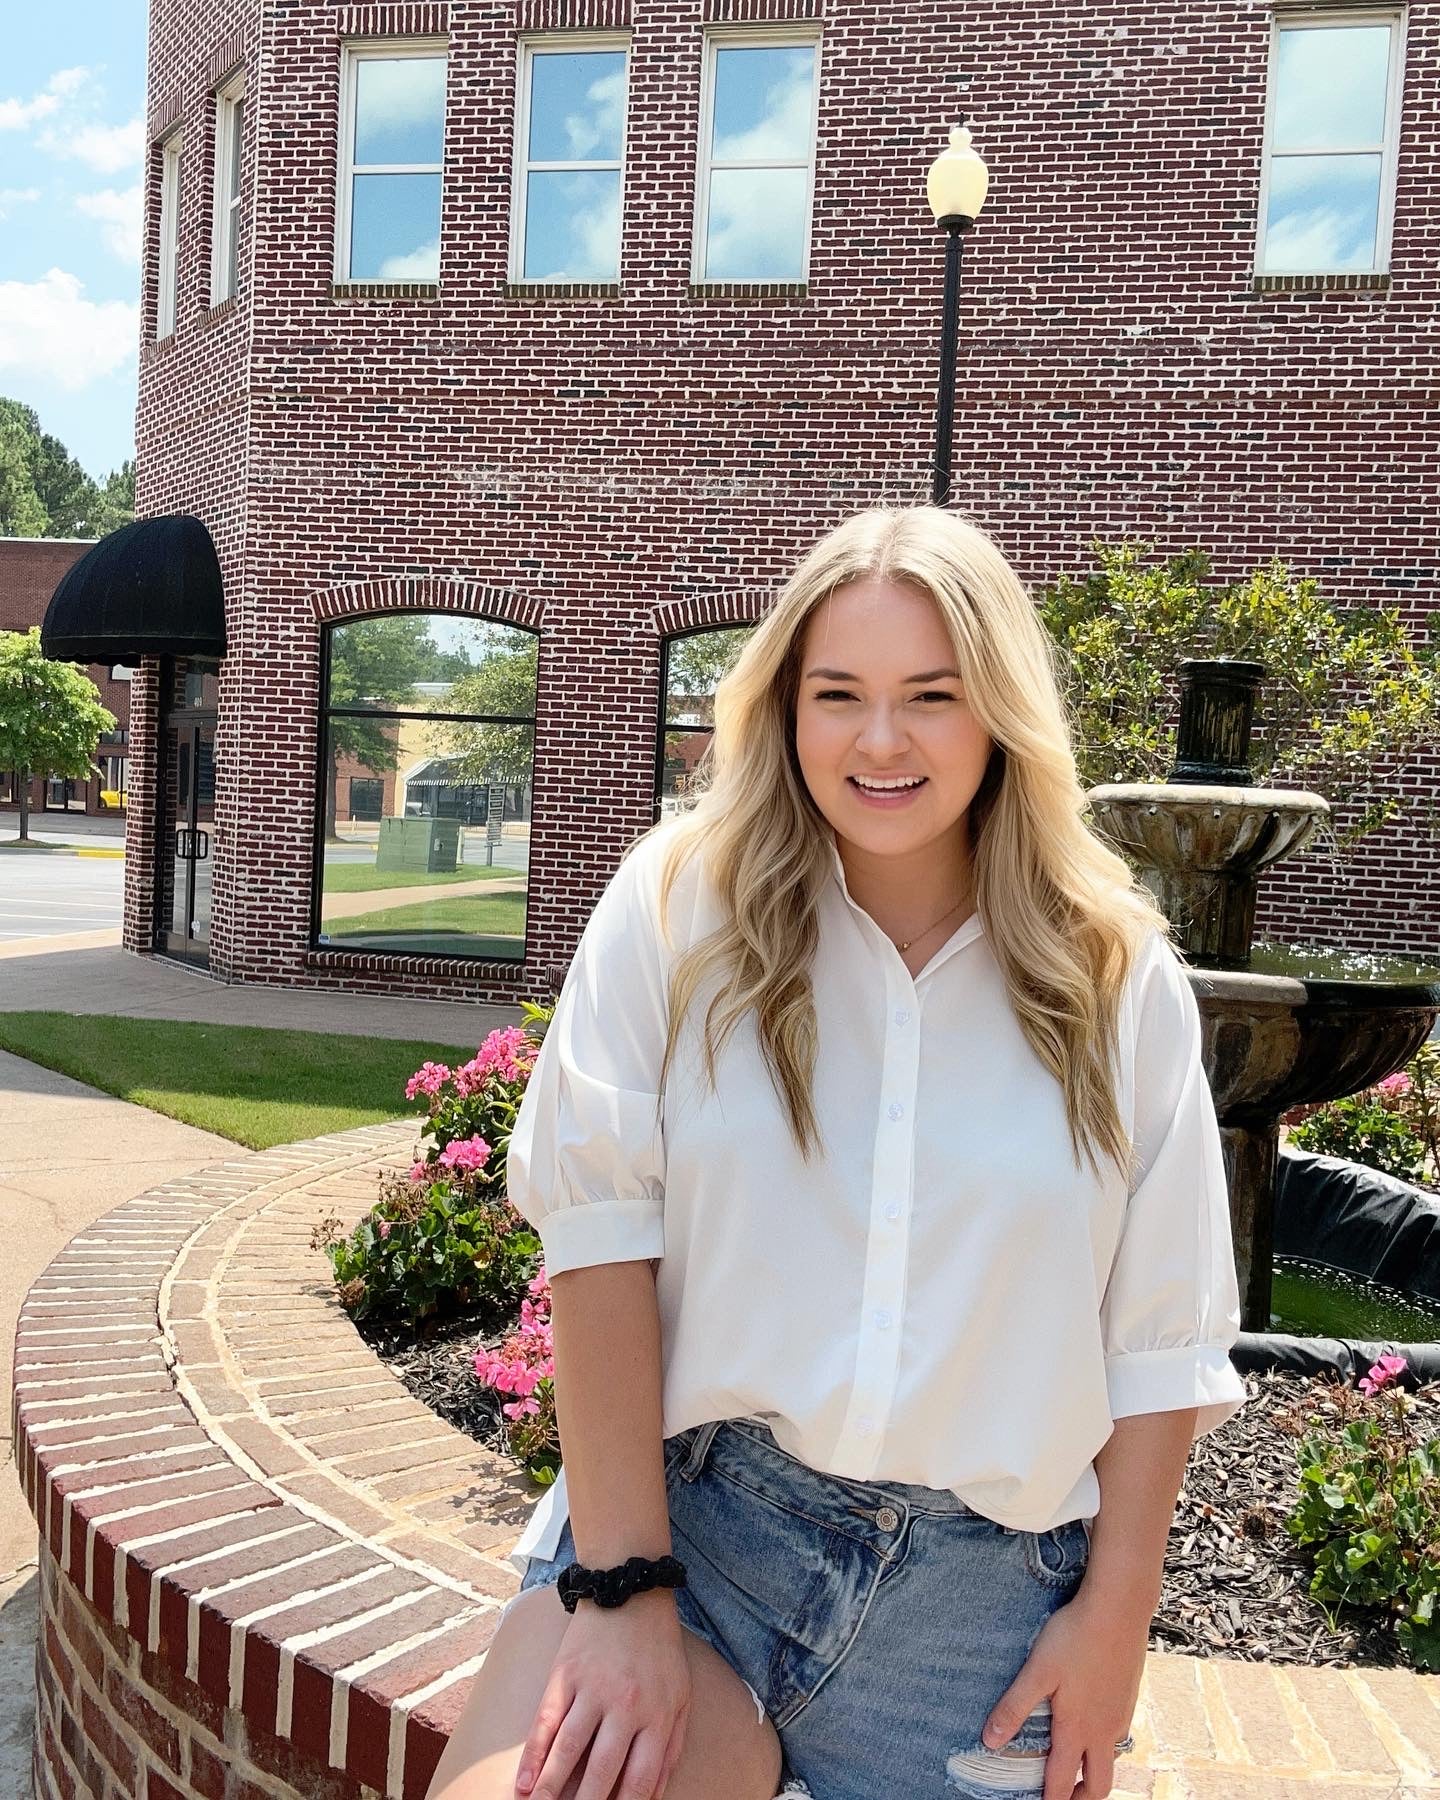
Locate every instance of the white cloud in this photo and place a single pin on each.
(601, 126)
(18, 115)
(108, 149)
(419, 264)
(48, 329)
(13, 197)
(120, 215)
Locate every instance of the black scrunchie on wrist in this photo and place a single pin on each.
(613, 1587)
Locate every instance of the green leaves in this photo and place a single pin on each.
(50, 712)
(1348, 699)
(1369, 1512)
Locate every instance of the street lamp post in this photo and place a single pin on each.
(956, 187)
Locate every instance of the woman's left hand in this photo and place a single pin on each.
(1089, 1660)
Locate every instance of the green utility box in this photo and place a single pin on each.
(419, 846)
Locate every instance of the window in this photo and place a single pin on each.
(425, 816)
(169, 234)
(225, 234)
(569, 161)
(756, 173)
(392, 135)
(692, 669)
(1331, 142)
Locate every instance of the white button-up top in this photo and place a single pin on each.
(941, 1298)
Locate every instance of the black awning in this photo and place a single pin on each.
(151, 588)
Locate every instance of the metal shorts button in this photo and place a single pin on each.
(887, 1518)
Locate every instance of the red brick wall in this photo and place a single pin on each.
(617, 466)
(30, 571)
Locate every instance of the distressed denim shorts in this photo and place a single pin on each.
(875, 1623)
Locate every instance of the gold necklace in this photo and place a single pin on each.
(929, 928)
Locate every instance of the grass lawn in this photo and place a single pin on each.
(364, 878)
(254, 1086)
(475, 915)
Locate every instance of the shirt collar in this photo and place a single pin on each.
(972, 928)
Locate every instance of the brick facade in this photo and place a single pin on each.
(30, 570)
(623, 460)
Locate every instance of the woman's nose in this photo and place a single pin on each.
(881, 732)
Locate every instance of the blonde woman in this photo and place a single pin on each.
(885, 1218)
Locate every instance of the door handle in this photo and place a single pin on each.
(202, 846)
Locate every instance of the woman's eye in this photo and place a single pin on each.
(936, 695)
(833, 694)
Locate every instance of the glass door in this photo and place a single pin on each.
(187, 824)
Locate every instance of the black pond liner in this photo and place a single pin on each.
(1361, 1222)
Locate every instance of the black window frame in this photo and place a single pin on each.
(325, 713)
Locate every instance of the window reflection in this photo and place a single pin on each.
(1328, 139)
(694, 666)
(394, 168)
(429, 754)
(570, 180)
(759, 145)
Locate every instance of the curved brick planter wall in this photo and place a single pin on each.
(262, 1562)
(268, 1574)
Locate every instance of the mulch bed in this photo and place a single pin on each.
(1235, 1582)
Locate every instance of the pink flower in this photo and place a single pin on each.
(385, 1228)
(468, 1155)
(1382, 1373)
(507, 1053)
(1398, 1083)
(418, 1171)
(429, 1078)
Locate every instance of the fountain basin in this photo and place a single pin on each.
(1199, 848)
(1270, 1042)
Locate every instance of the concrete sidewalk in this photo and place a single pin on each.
(67, 1155)
(105, 979)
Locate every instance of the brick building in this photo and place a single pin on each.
(505, 345)
(30, 569)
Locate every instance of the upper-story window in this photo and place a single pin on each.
(757, 157)
(569, 159)
(693, 667)
(225, 238)
(169, 271)
(392, 134)
(1332, 134)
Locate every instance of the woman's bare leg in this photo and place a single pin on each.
(729, 1754)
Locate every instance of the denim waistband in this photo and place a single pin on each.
(910, 1497)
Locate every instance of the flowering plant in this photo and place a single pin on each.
(1369, 1510)
(443, 1238)
(523, 1364)
(1393, 1125)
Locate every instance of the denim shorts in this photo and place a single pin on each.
(875, 1623)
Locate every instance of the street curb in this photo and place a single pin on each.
(61, 850)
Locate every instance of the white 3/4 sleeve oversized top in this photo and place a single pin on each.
(943, 1297)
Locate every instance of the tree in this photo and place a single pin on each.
(374, 662)
(50, 715)
(1345, 686)
(44, 492)
(504, 684)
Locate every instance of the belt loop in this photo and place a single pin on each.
(699, 1450)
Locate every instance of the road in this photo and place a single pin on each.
(53, 896)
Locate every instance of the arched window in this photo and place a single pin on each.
(692, 666)
(429, 749)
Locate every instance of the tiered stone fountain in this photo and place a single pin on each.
(1282, 1026)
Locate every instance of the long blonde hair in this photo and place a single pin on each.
(1062, 912)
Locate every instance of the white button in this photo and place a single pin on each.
(892, 1209)
(895, 1110)
(902, 1017)
(882, 1317)
(864, 1426)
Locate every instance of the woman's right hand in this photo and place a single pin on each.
(622, 1679)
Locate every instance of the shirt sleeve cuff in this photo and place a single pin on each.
(1200, 1375)
(602, 1231)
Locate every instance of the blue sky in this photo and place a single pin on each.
(72, 97)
